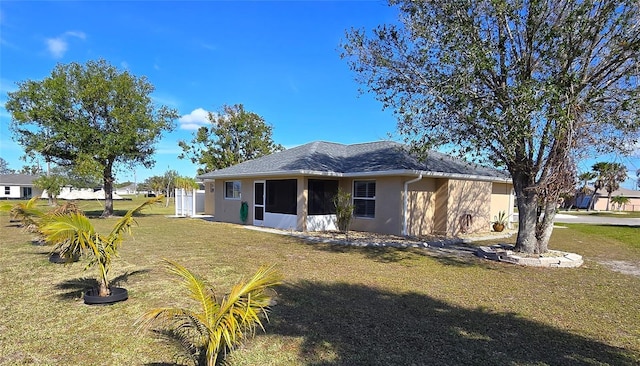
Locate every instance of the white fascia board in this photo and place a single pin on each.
(428, 174)
(282, 173)
(386, 173)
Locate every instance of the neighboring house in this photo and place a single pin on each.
(126, 190)
(393, 192)
(583, 199)
(18, 186)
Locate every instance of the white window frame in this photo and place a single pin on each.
(356, 198)
(236, 191)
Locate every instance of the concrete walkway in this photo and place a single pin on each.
(564, 218)
(591, 219)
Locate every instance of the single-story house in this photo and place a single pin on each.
(393, 192)
(18, 186)
(584, 198)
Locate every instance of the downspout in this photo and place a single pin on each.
(406, 203)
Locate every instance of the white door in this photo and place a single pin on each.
(258, 203)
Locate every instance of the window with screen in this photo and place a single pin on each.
(364, 198)
(282, 196)
(321, 193)
(232, 189)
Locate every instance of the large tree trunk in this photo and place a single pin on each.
(544, 227)
(107, 177)
(533, 234)
(527, 215)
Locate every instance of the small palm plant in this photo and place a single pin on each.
(216, 327)
(620, 201)
(27, 213)
(74, 235)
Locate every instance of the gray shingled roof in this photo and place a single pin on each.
(373, 158)
(17, 179)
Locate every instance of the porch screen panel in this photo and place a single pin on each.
(282, 196)
(321, 193)
(259, 194)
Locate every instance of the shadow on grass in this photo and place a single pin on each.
(460, 255)
(344, 324)
(97, 214)
(75, 287)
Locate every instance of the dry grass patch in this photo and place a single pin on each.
(339, 305)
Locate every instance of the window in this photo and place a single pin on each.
(7, 190)
(364, 198)
(282, 196)
(321, 193)
(232, 190)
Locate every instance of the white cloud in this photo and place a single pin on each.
(80, 35)
(194, 120)
(58, 46)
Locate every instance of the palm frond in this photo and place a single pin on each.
(72, 233)
(124, 224)
(217, 327)
(27, 212)
(198, 289)
(240, 310)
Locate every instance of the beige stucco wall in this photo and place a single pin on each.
(433, 205)
(441, 206)
(601, 204)
(388, 216)
(468, 198)
(228, 210)
(302, 205)
(209, 198)
(502, 199)
(421, 207)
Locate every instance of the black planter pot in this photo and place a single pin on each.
(117, 294)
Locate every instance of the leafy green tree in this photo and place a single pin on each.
(216, 326)
(92, 117)
(524, 85)
(4, 167)
(169, 180)
(620, 201)
(235, 135)
(76, 179)
(186, 183)
(610, 175)
(52, 184)
(155, 183)
(31, 169)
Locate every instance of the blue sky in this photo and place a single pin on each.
(279, 59)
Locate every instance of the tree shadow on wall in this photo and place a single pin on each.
(344, 324)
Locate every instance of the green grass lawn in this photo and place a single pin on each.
(339, 305)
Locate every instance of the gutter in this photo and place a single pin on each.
(406, 203)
